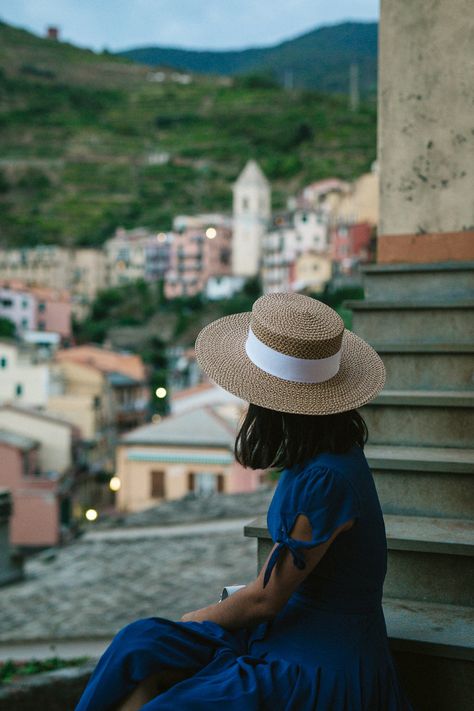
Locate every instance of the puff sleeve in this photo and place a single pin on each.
(324, 496)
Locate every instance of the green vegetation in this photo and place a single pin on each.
(319, 59)
(7, 328)
(10, 670)
(89, 143)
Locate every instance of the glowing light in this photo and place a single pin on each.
(155, 419)
(91, 515)
(160, 392)
(115, 483)
(211, 232)
(161, 237)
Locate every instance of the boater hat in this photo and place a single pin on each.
(291, 353)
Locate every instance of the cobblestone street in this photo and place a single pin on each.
(96, 585)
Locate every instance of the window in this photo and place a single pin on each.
(6, 303)
(41, 307)
(220, 483)
(191, 481)
(41, 325)
(245, 203)
(24, 323)
(18, 390)
(157, 484)
(24, 304)
(3, 362)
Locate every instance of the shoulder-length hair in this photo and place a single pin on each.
(281, 440)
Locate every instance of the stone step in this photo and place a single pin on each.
(443, 280)
(429, 559)
(427, 367)
(420, 417)
(434, 322)
(433, 648)
(423, 481)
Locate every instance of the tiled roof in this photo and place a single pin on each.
(105, 360)
(12, 439)
(200, 427)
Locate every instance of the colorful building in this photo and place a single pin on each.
(25, 378)
(201, 248)
(189, 453)
(131, 255)
(104, 394)
(36, 499)
(81, 272)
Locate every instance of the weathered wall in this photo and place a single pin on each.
(426, 130)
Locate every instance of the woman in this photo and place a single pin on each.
(309, 633)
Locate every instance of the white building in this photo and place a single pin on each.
(223, 287)
(298, 233)
(25, 379)
(251, 213)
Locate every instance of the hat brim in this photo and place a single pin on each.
(220, 352)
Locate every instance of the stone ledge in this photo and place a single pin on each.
(425, 348)
(424, 398)
(54, 691)
(410, 533)
(429, 459)
(419, 267)
(410, 305)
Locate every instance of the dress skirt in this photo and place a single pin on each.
(306, 659)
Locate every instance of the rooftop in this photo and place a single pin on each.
(98, 584)
(107, 361)
(200, 427)
(12, 439)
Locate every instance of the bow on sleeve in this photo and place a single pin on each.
(295, 549)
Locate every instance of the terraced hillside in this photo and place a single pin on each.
(90, 141)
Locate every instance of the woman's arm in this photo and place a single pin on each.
(254, 603)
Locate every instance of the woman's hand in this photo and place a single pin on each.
(190, 616)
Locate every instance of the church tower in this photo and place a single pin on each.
(251, 217)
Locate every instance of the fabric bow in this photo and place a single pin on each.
(294, 547)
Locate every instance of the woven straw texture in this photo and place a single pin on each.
(304, 328)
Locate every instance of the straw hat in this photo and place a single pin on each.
(291, 353)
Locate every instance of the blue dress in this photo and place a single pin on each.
(326, 650)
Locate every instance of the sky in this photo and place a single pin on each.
(193, 24)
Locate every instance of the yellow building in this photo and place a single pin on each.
(104, 393)
(189, 452)
(312, 271)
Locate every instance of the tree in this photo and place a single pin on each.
(7, 328)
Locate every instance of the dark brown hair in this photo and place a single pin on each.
(281, 440)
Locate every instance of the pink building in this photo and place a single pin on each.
(36, 501)
(200, 249)
(352, 244)
(53, 310)
(36, 308)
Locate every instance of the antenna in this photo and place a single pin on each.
(354, 97)
(289, 79)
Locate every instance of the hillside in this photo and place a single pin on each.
(88, 142)
(319, 59)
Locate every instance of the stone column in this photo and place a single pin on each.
(426, 131)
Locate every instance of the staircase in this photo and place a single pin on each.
(420, 318)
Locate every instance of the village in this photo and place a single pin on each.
(77, 422)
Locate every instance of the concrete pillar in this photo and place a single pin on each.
(426, 131)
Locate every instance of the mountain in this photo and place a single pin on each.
(90, 141)
(319, 59)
